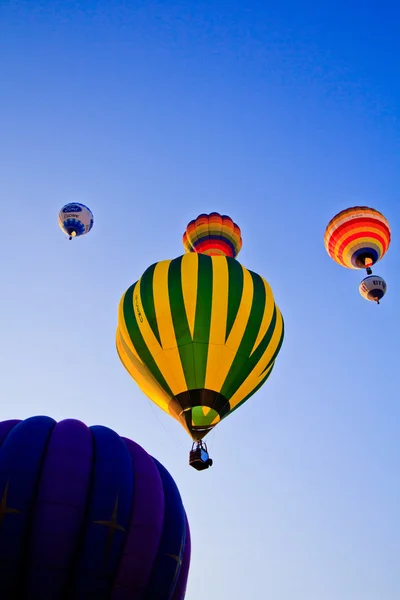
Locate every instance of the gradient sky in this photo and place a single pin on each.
(280, 115)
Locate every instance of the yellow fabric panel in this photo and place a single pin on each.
(243, 314)
(218, 367)
(169, 363)
(190, 269)
(267, 316)
(123, 332)
(219, 309)
(216, 354)
(141, 374)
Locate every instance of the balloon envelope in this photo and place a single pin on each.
(373, 288)
(86, 514)
(199, 334)
(75, 219)
(214, 235)
(357, 237)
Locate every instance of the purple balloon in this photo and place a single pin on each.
(85, 513)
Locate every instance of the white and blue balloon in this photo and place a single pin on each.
(75, 219)
(373, 288)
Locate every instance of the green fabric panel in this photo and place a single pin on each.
(202, 321)
(275, 354)
(241, 366)
(147, 298)
(250, 394)
(200, 356)
(235, 292)
(138, 341)
(177, 304)
(188, 364)
(199, 419)
(180, 321)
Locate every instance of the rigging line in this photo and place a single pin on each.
(170, 435)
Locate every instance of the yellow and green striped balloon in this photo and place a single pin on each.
(199, 334)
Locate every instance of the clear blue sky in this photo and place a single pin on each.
(279, 114)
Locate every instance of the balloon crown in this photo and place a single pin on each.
(214, 235)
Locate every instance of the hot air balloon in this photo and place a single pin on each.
(200, 335)
(85, 513)
(213, 235)
(373, 288)
(356, 238)
(75, 219)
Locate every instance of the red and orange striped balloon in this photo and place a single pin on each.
(214, 235)
(357, 237)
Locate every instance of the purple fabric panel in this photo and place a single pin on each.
(145, 528)
(180, 589)
(5, 428)
(59, 510)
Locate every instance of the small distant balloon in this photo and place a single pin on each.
(357, 238)
(213, 235)
(373, 288)
(75, 219)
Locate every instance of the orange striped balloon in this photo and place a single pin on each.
(214, 235)
(357, 237)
